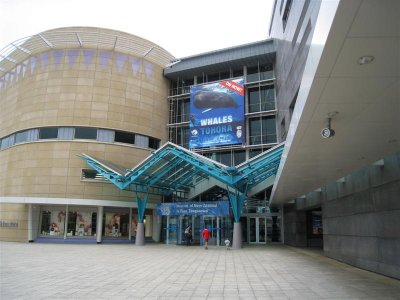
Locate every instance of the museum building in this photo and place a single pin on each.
(105, 136)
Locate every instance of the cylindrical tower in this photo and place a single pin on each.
(68, 91)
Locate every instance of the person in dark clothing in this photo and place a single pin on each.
(188, 235)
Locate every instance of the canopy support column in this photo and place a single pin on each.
(141, 203)
(237, 200)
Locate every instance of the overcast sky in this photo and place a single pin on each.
(182, 27)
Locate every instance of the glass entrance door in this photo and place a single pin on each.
(257, 230)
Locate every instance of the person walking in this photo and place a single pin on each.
(188, 235)
(206, 237)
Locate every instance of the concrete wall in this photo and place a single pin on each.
(14, 222)
(361, 218)
(292, 45)
(295, 226)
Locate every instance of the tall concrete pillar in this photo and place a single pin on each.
(66, 223)
(30, 223)
(130, 224)
(237, 235)
(99, 225)
(139, 235)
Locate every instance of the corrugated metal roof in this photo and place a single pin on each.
(248, 54)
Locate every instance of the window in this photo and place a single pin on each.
(86, 133)
(21, 137)
(224, 75)
(8, 141)
(283, 129)
(292, 105)
(124, 137)
(286, 13)
(266, 72)
(142, 141)
(65, 133)
(154, 143)
(224, 158)
(254, 99)
(179, 110)
(200, 78)
(267, 98)
(262, 130)
(238, 73)
(213, 77)
(48, 133)
(105, 135)
(179, 136)
(89, 174)
(261, 98)
(254, 152)
(252, 74)
(239, 157)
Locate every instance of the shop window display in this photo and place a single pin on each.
(112, 224)
(84, 222)
(52, 222)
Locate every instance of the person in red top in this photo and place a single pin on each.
(206, 237)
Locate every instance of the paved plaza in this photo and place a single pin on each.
(126, 271)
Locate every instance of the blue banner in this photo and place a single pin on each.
(219, 208)
(217, 114)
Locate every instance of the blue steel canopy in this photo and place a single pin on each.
(175, 168)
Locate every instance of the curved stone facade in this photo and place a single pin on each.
(76, 77)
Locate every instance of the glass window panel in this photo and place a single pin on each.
(8, 141)
(86, 133)
(21, 137)
(239, 156)
(52, 221)
(33, 134)
(252, 74)
(238, 72)
(226, 158)
(142, 141)
(266, 72)
(213, 77)
(48, 133)
(186, 110)
(254, 152)
(224, 75)
(200, 79)
(255, 131)
(65, 133)
(185, 142)
(269, 130)
(124, 137)
(254, 99)
(105, 135)
(267, 94)
(172, 135)
(154, 143)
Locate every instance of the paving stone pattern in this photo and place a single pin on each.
(126, 271)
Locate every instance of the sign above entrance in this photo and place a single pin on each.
(220, 208)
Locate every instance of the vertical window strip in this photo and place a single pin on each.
(65, 133)
(105, 135)
(142, 141)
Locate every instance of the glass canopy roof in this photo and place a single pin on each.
(173, 168)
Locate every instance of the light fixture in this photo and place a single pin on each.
(366, 59)
(328, 132)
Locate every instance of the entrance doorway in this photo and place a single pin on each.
(257, 230)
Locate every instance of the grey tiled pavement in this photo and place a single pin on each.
(70, 271)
